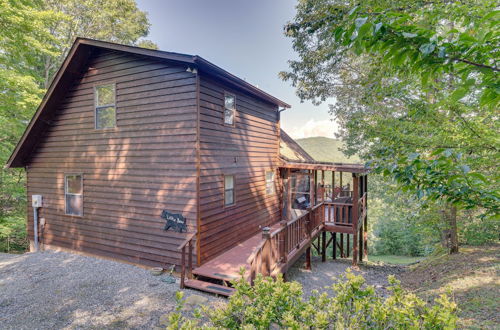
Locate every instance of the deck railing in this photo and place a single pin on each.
(362, 209)
(188, 243)
(282, 244)
(341, 214)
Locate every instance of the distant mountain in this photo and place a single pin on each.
(326, 150)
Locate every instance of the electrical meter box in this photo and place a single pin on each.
(36, 200)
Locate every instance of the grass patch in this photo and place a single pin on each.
(471, 276)
(395, 260)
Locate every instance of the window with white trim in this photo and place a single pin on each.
(228, 190)
(73, 194)
(229, 109)
(270, 188)
(105, 109)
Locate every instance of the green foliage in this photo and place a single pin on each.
(350, 304)
(439, 175)
(400, 223)
(480, 230)
(109, 20)
(13, 233)
(416, 90)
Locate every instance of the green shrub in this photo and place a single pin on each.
(351, 304)
(13, 236)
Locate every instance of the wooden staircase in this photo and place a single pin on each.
(268, 253)
(209, 287)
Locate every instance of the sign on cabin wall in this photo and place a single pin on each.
(175, 221)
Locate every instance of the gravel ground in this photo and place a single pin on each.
(59, 290)
(323, 274)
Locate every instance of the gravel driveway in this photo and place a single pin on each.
(59, 290)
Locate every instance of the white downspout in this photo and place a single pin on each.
(35, 224)
(36, 203)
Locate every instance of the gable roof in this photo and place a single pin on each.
(75, 64)
(292, 155)
(291, 151)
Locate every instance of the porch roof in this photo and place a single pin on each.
(292, 155)
(337, 167)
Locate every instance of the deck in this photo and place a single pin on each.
(278, 247)
(227, 266)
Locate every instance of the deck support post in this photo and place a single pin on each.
(348, 243)
(333, 185)
(308, 258)
(288, 194)
(313, 188)
(323, 246)
(342, 246)
(355, 218)
(361, 243)
(334, 240)
(365, 224)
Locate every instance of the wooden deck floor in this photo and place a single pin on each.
(227, 266)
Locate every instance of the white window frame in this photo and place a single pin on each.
(270, 186)
(97, 107)
(233, 191)
(66, 193)
(233, 110)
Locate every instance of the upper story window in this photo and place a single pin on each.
(229, 109)
(270, 189)
(105, 109)
(73, 194)
(228, 190)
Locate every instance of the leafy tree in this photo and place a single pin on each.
(117, 21)
(35, 37)
(416, 89)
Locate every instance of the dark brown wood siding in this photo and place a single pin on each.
(130, 173)
(246, 151)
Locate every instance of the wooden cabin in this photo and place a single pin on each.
(159, 158)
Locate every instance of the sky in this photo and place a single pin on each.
(245, 38)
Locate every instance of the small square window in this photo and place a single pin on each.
(105, 109)
(228, 190)
(73, 194)
(270, 188)
(229, 109)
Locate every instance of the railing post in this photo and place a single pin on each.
(308, 222)
(285, 241)
(190, 259)
(183, 266)
(266, 251)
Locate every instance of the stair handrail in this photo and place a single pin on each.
(275, 255)
(189, 243)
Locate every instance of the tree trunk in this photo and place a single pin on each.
(453, 230)
(451, 217)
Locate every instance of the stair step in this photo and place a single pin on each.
(209, 287)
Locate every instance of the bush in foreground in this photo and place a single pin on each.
(351, 305)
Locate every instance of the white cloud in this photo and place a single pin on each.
(312, 128)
